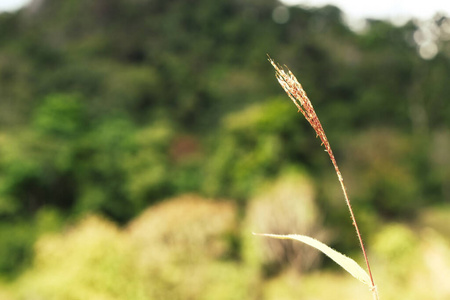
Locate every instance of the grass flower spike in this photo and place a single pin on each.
(295, 91)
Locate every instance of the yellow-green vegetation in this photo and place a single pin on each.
(180, 249)
(283, 206)
(414, 261)
(321, 285)
(90, 261)
(185, 248)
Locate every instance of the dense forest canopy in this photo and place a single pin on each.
(110, 106)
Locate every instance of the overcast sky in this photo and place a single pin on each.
(10, 5)
(395, 10)
(380, 9)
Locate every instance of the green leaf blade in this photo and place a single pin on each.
(344, 261)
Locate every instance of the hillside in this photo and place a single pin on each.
(110, 107)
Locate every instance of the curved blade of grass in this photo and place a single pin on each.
(345, 262)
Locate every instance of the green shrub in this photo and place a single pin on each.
(178, 249)
(412, 262)
(61, 115)
(284, 206)
(91, 261)
(253, 147)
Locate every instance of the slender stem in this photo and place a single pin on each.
(352, 215)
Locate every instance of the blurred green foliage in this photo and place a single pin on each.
(186, 258)
(110, 106)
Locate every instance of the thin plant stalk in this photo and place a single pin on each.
(295, 91)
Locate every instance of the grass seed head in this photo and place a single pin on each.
(298, 95)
